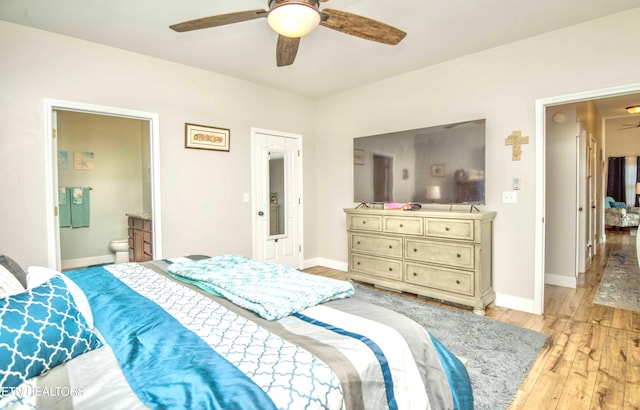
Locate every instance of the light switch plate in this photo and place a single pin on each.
(510, 197)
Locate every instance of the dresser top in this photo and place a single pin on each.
(140, 215)
(425, 213)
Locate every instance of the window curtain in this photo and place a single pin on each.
(630, 179)
(615, 179)
(637, 180)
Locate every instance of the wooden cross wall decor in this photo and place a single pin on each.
(516, 140)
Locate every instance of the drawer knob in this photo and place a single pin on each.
(390, 247)
(415, 274)
(364, 222)
(401, 226)
(458, 255)
(357, 263)
(390, 269)
(446, 228)
(458, 282)
(358, 242)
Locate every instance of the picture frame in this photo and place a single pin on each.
(358, 157)
(198, 136)
(437, 170)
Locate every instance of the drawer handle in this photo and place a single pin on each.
(458, 282)
(364, 222)
(446, 228)
(358, 242)
(458, 255)
(390, 247)
(415, 274)
(390, 269)
(357, 263)
(401, 226)
(415, 249)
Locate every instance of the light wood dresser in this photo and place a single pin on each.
(439, 254)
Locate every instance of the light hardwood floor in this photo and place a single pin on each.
(592, 357)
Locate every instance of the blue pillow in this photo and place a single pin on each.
(40, 329)
(622, 205)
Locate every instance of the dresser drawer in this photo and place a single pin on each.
(380, 267)
(453, 254)
(405, 225)
(380, 245)
(449, 228)
(439, 278)
(365, 222)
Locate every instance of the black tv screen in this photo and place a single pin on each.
(440, 165)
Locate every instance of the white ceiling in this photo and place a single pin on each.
(327, 61)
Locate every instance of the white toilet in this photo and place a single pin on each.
(121, 248)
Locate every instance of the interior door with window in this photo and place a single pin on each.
(277, 198)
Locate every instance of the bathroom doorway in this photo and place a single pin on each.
(108, 158)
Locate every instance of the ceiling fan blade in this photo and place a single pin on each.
(362, 27)
(286, 50)
(219, 20)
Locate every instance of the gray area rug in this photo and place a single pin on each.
(500, 355)
(620, 284)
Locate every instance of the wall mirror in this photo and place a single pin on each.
(277, 195)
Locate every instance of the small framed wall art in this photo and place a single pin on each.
(205, 137)
(437, 170)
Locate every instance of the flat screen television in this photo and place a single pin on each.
(439, 165)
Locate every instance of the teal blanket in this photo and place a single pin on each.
(167, 365)
(271, 291)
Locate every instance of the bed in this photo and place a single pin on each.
(163, 334)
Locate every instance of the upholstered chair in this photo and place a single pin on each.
(617, 214)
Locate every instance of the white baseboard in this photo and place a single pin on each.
(515, 303)
(327, 263)
(84, 262)
(560, 280)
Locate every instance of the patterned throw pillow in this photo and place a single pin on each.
(40, 329)
(9, 285)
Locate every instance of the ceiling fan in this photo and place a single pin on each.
(293, 19)
(629, 126)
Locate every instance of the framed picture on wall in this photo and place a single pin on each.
(206, 137)
(437, 170)
(358, 157)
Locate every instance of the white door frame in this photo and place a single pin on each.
(51, 169)
(540, 106)
(255, 204)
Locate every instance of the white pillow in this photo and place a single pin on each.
(37, 275)
(9, 285)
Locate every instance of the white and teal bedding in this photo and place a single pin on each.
(271, 291)
(173, 345)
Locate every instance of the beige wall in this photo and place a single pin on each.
(561, 195)
(501, 85)
(201, 191)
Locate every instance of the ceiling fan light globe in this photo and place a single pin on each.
(634, 109)
(293, 19)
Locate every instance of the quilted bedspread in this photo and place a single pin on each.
(272, 291)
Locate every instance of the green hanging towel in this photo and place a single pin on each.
(64, 207)
(80, 214)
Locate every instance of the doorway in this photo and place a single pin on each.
(277, 197)
(382, 178)
(150, 123)
(539, 242)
